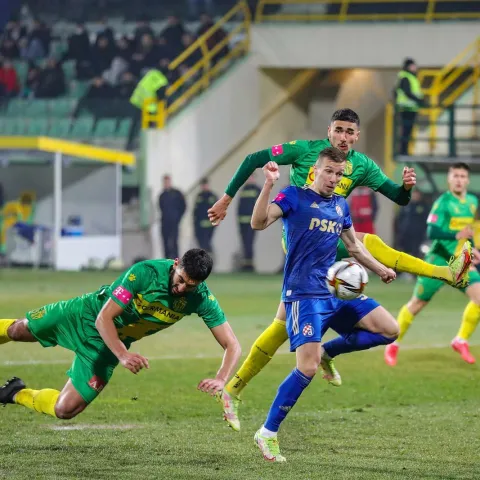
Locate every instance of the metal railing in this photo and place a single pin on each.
(198, 76)
(378, 10)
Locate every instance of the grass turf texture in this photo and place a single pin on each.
(419, 420)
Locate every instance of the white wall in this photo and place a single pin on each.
(367, 45)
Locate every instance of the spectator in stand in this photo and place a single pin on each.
(146, 55)
(206, 23)
(99, 89)
(51, 83)
(174, 31)
(170, 52)
(79, 49)
(33, 80)
(9, 49)
(126, 86)
(41, 33)
(103, 53)
(143, 28)
(9, 80)
(105, 31)
(15, 31)
(124, 48)
(195, 56)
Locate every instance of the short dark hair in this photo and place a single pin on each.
(345, 115)
(333, 154)
(197, 264)
(460, 166)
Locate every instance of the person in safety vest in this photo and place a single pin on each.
(408, 100)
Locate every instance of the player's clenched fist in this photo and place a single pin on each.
(409, 178)
(271, 171)
(389, 276)
(133, 362)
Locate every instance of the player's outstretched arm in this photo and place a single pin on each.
(264, 214)
(358, 251)
(400, 194)
(106, 327)
(226, 338)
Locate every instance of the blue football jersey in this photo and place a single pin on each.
(313, 225)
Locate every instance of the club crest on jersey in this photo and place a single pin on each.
(308, 330)
(179, 304)
(339, 210)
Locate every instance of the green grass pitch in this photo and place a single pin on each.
(420, 420)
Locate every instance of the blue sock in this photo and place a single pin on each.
(355, 341)
(287, 395)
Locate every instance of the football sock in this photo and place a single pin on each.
(470, 318)
(42, 401)
(402, 262)
(260, 354)
(354, 342)
(4, 325)
(404, 319)
(287, 395)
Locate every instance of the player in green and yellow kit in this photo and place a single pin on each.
(450, 223)
(100, 327)
(343, 133)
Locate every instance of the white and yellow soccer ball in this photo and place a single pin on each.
(346, 280)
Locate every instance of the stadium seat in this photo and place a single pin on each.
(82, 127)
(59, 128)
(37, 127)
(61, 107)
(105, 127)
(14, 126)
(123, 130)
(78, 88)
(36, 107)
(17, 107)
(69, 69)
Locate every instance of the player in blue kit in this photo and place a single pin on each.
(314, 218)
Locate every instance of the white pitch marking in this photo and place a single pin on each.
(91, 427)
(14, 363)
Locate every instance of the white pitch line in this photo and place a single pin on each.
(91, 427)
(14, 363)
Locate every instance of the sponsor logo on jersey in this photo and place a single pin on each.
(122, 294)
(37, 314)
(327, 226)
(179, 304)
(132, 277)
(432, 218)
(339, 210)
(343, 187)
(314, 205)
(97, 383)
(308, 330)
(310, 176)
(156, 309)
(277, 150)
(279, 197)
(473, 208)
(459, 223)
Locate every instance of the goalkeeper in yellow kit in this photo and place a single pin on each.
(360, 170)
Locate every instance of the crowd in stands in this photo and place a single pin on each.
(112, 62)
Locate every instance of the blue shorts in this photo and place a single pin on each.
(309, 319)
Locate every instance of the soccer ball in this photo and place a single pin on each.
(346, 280)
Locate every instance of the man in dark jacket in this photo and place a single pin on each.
(203, 228)
(172, 206)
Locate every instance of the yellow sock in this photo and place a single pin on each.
(42, 401)
(4, 325)
(402, 262)
(260, 354)
(404, 319)
(470, 318)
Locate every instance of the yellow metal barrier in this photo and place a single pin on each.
(201, 74)
(444, 86)
(343, 14)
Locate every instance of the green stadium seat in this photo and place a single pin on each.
(124, 128)
(69, 69)
(59, 128)
(17, 107)
(37, 127)
(78, 88)
(61, 107)
(82, 127)
(37, 107)
(105, 127)
(15, 126)
(21, 68)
